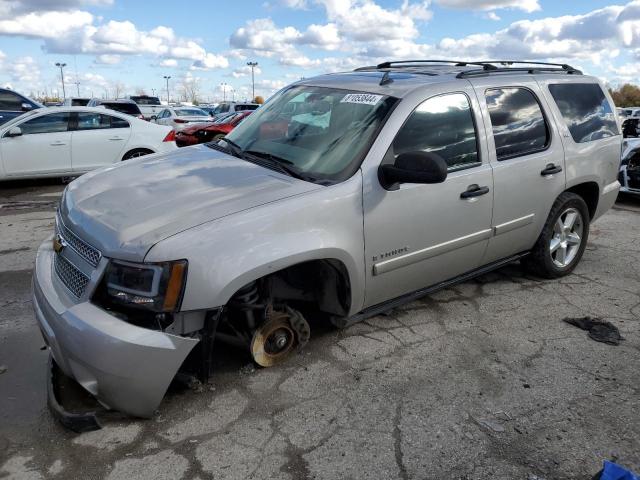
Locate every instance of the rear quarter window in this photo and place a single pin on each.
(585, 110)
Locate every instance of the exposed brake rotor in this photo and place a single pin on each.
(277, 338)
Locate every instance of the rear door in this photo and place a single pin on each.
(590, 132)
(43, 148)
(97, 140)
(527, 157)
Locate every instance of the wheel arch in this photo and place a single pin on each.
(137, 149)
(325, 277)
(590, 193)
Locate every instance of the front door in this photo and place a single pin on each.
(422, 234)
(43, 148)
(98, 139)
(527, 158)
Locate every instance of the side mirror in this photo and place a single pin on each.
(26, 107)
(413, 167)
(14, 132)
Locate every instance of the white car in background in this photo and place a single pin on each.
(70, 141)
(179, 117)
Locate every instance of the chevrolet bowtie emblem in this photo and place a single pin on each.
(58, 244)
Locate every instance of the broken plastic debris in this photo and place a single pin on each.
(599, 330)
(3, 369)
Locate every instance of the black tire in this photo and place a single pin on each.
(540, 260)
(135, 153)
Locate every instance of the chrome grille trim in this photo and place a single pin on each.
(72, 278)
(82, 248)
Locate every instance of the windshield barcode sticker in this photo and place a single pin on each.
(361, 98)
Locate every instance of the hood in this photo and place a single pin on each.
(125, 209)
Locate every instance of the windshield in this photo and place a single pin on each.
(190, 112)
(321, 132)
(145, 100)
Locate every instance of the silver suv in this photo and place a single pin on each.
(342, 197)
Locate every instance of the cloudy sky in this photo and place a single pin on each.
(130, 45)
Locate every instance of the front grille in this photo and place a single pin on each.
(86, 251)
(71, 277)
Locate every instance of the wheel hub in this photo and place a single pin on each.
(273, 341)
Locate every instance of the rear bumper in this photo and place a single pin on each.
(607, 199)
(127, 368)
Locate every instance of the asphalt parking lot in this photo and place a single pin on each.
(480, 381)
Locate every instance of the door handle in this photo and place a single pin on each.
(474, 191)
(115, 138)
(550, 169)
(57, 144)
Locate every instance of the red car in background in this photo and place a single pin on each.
(209, 132)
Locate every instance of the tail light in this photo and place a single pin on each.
(141, 117)
(171, 136)
(179, 120)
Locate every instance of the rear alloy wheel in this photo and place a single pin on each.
(141, 152)
(563, 239)
(567, 237)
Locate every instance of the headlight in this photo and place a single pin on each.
(157, 287)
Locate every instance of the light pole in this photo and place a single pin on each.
(253, 65)
(224, 91)
(78, 87)
(167, 77)
(61, 66)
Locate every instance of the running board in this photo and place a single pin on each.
(343, 322)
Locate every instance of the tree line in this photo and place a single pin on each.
(626, 96)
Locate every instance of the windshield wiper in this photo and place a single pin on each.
(236, 150)
(282, 164)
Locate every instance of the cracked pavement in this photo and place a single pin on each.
(479, 381)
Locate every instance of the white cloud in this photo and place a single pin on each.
(45, 24)
(210, 61)
(76, 31)
(245, 71)
(169, 62)
(262, 35)
(107, 59)
(525, 5)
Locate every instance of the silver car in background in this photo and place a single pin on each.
(343, 196)
(180, 117)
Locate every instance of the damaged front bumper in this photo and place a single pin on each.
(127, 368)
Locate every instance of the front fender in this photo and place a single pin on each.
(226, 254)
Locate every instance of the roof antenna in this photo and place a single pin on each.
(386, 79)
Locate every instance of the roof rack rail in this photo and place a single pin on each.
(564, 66)
(409, 63)
(532, 70)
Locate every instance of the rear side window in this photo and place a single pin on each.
(519, 127)
(585, 110)
(241, 107)
(146, 100)
(128, 108)
(52, 123)
(117, 122)
(442, 125)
